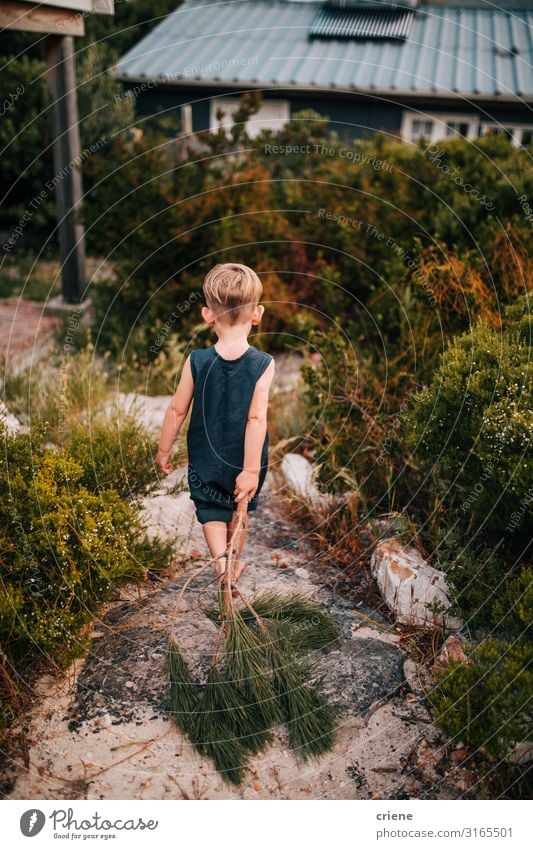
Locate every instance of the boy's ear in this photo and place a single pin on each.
(208, 316)
(257, 314)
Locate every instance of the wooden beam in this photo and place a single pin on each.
(23, 16)
(67, 178)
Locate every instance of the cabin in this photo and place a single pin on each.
(410, 69)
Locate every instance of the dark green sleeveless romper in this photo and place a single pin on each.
(223, 391)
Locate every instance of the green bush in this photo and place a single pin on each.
(352, 425)
(474, 424)
(409, 275)
(114, 455)
(491, 591)
(486, 703)
(64, 548)
(26, 164)
(513, 610)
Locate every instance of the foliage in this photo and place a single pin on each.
(27, 160)
(162, 375)
(25, 277)
(257, 679)
(131, 21)
(491, 590)
(115, 455)
(486, 702)
(103, 109)
(366, 236)
(353, 425)
(25, 129)
(63, 390)
(64, 548)
(474, 422)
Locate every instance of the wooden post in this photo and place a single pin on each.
(67, 178)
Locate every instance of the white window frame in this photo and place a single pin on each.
(440, 121)
(515, 129)
(262, 120)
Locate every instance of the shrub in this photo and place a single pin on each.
(486, 703)
(64, 549)
(27, 159)
(114, 455)
(490, 589)
(438, 259)
(103, 110)
(474, 423)
(353, 425)
(513, 609)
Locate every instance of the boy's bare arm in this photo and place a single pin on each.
(175, 416)
(256, 427)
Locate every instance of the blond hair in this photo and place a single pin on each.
(232, 291)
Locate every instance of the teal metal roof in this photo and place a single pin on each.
(451, 50)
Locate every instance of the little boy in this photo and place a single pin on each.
(228, 383)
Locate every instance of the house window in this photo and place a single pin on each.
(518, 134)
(434, 126)
(527, 136)
(362, 22)
(457, 128)
(272, 114)
(421, 129)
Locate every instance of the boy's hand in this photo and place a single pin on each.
(246, 484)
(162, 462)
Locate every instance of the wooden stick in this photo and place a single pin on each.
(242, 509)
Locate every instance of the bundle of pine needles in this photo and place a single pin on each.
(257, 678)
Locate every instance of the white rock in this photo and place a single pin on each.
(162, 514)
(364, 632)
(521, 754)
(12, 423)
(408, 585)
(418, 677)
(148, 410)
(300, 476)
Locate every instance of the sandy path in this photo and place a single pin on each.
(102, 731)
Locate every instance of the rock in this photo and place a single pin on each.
(364, 632)
(288, 375)
(12, 423)
(362, 673)
(162, 514)
(522, 754)
(300, 476)
(418, 677)
(413, 590)
(147, 410)
(451, 650)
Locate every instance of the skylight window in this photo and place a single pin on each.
(363, 20)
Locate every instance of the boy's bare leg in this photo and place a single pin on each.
(239, 566)
(216, 536)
